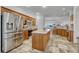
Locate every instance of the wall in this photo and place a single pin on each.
(76, 27)
(56, 20)
(39, 21)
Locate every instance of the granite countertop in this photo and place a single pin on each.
(41, 31)
(32, 28)
(24, 29)
(16, 32)
(64, 29)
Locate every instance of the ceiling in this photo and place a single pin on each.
(49, 11)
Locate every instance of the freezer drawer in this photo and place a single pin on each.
(8, 44)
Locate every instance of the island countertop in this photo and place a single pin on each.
(41, 31)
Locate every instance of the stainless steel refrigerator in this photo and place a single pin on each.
(9, 26)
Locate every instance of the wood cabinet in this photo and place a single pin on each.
(65, 33)
(39, 41)
(23, 16)
(70, 36)
(33, 22)
(25, 34)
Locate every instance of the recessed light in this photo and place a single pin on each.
(63, 9)
(28, 6)
(44, 6)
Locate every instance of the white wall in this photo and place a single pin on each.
(76, 27)
(39, 21)
(56, 20)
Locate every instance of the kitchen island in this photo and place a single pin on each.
(40, 39)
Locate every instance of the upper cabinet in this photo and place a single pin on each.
(24, 18)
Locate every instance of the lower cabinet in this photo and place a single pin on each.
(70, 36)
(65, 33)
(25, 34)
(39, 41)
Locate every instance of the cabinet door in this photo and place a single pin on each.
(62, 32)
(45, 40)
(35, 41)
(25, 34)
(40, 42)
(70, 37)
(55, 31)
(59, 31)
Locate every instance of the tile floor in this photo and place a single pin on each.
(56, 44)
